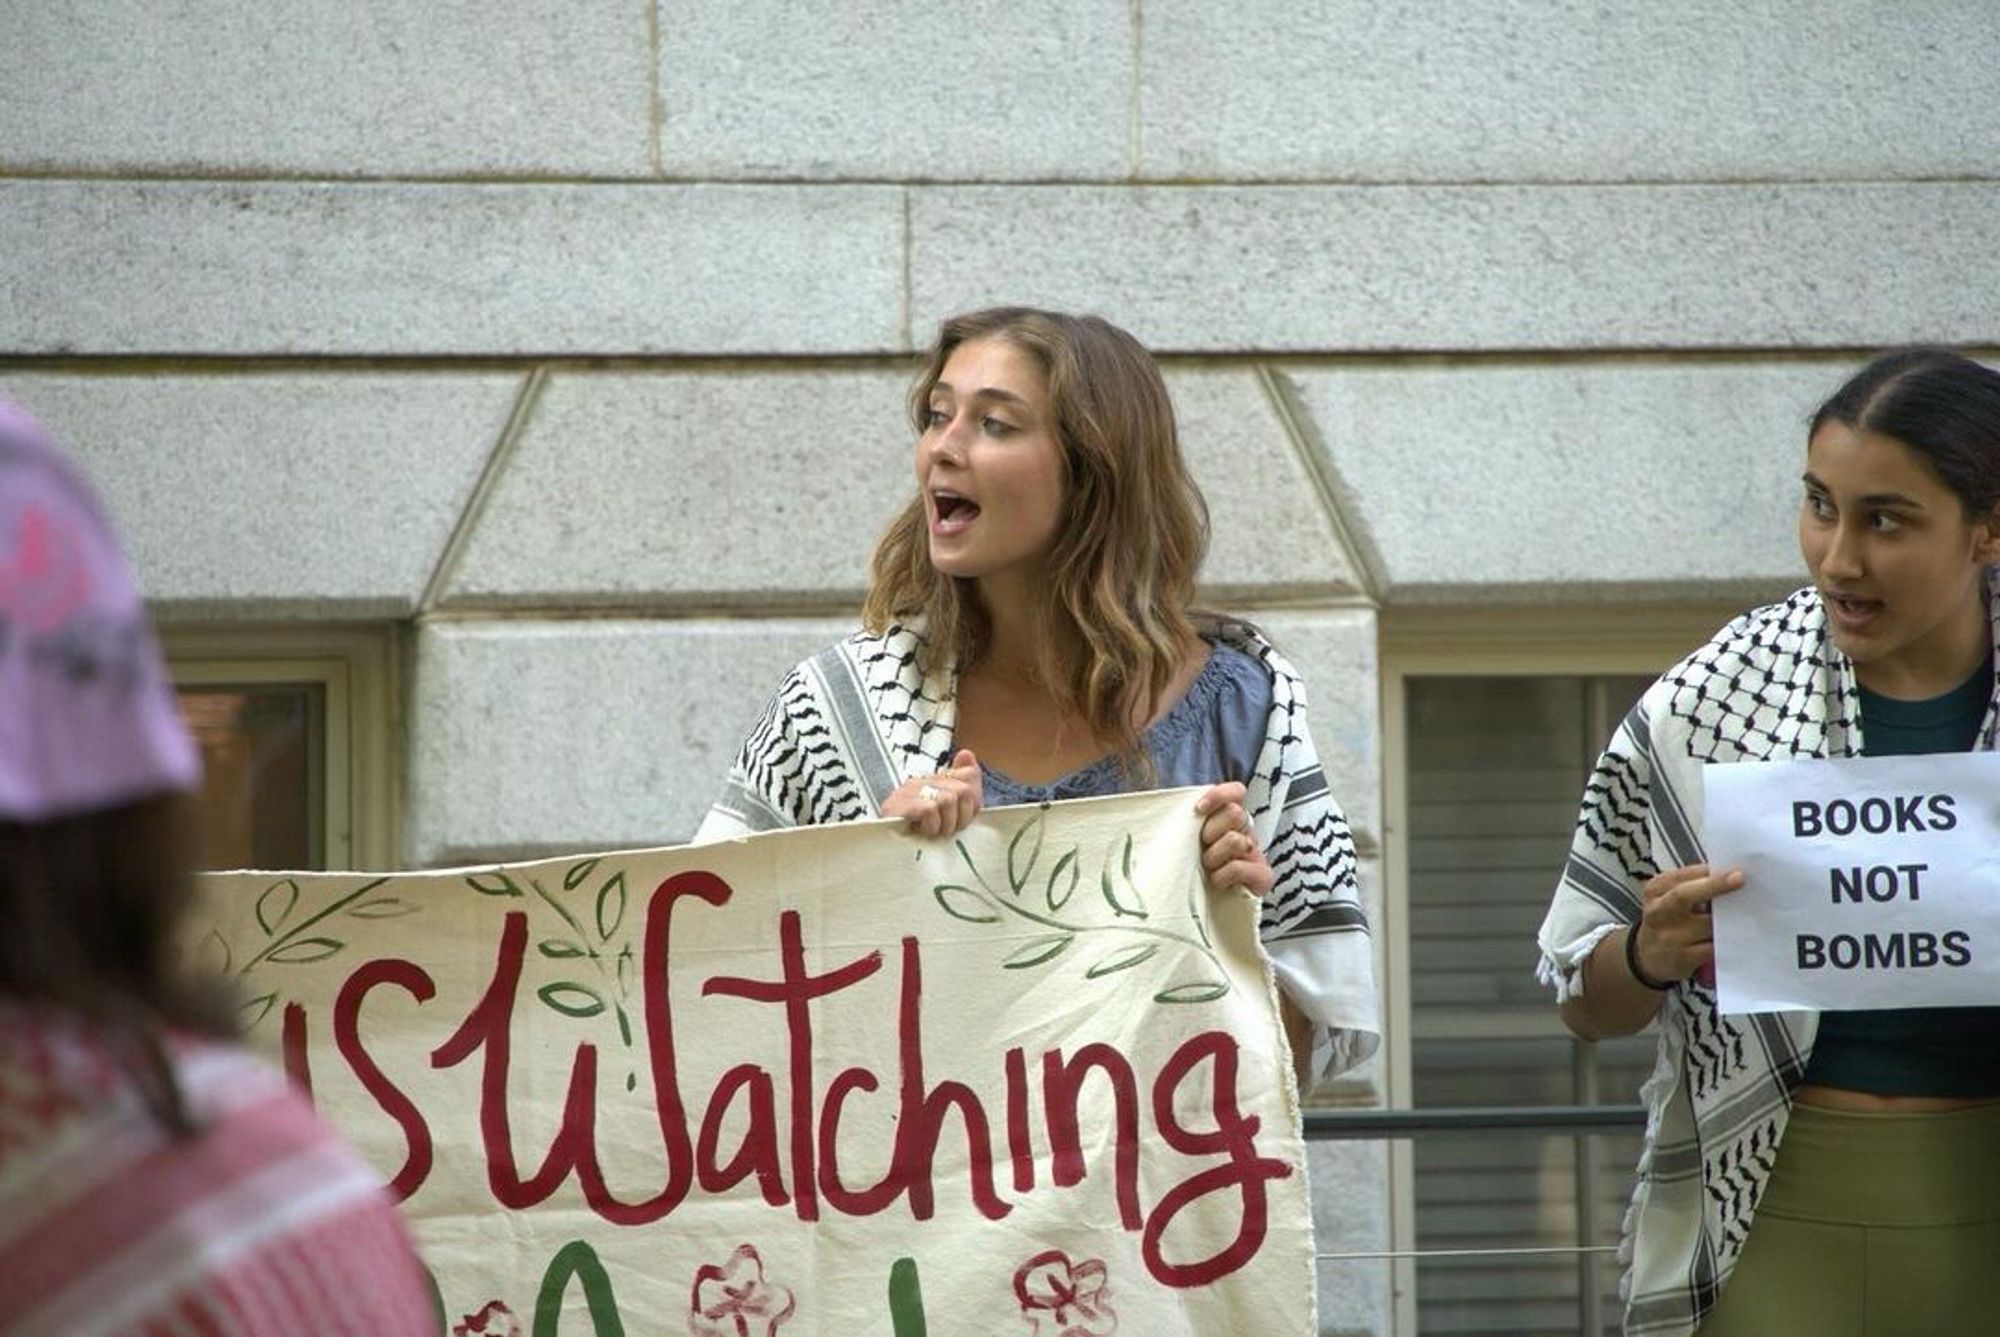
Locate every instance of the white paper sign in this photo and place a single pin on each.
(1868, 883)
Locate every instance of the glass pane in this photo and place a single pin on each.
(1495, 771)
(1496, 767)
(1519, 1295)
(260, 798)
(1519, 1191)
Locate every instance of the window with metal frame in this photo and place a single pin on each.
(1495, 767)
(295, 727)
(1492, 720)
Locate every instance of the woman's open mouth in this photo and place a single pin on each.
(951, 514)
(1849, 612)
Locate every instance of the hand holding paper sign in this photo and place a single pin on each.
(1674, 937)
(1630, 968)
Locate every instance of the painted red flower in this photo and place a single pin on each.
(494, 1320)
(1074, 1297)
(734, 1300)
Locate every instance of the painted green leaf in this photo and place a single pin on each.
(1037, 950)
(562, 911)
(560, 949)
(1123, 959)
(1194, 911)
(965, 903)
(610, 906)
(572, 1000)
(1195, 991)
(972, 867)
(625, 969)
(493, 884)
(305, 950)
(1062, 880)
(577, 873)
(624, 1027)
(388, 907)
(256, 1010)
(1128, 858)
(1118, 907)
(271, 915)
(213, 954)
(1020, 862)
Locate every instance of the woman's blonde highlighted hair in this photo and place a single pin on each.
(1133, 533)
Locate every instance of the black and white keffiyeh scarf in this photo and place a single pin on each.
(858, 719)
(1770, 686)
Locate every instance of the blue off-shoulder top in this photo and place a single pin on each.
(1210, 735)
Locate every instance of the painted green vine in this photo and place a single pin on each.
(1047, 905)
(587, 941)
(290, 938)
(286, 940)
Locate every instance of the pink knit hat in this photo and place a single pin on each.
(87, 713)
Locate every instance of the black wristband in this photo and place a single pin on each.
(1632, 962)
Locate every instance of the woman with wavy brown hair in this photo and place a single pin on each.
(1030, 636)
(1113, 619)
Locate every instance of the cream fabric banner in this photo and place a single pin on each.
(840, 1080)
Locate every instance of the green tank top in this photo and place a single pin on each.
(1915, 1051)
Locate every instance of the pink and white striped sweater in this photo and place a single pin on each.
(264, 1222)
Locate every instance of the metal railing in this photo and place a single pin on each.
(1376, 1124)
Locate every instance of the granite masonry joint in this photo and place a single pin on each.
(482, 490)
(1362, 555)
(208, 174)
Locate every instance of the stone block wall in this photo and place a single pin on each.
(571, 339)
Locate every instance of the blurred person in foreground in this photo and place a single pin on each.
(154, 1177)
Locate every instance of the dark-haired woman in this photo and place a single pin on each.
(154, 1178)
(1826, 1173)
(1029, 636)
